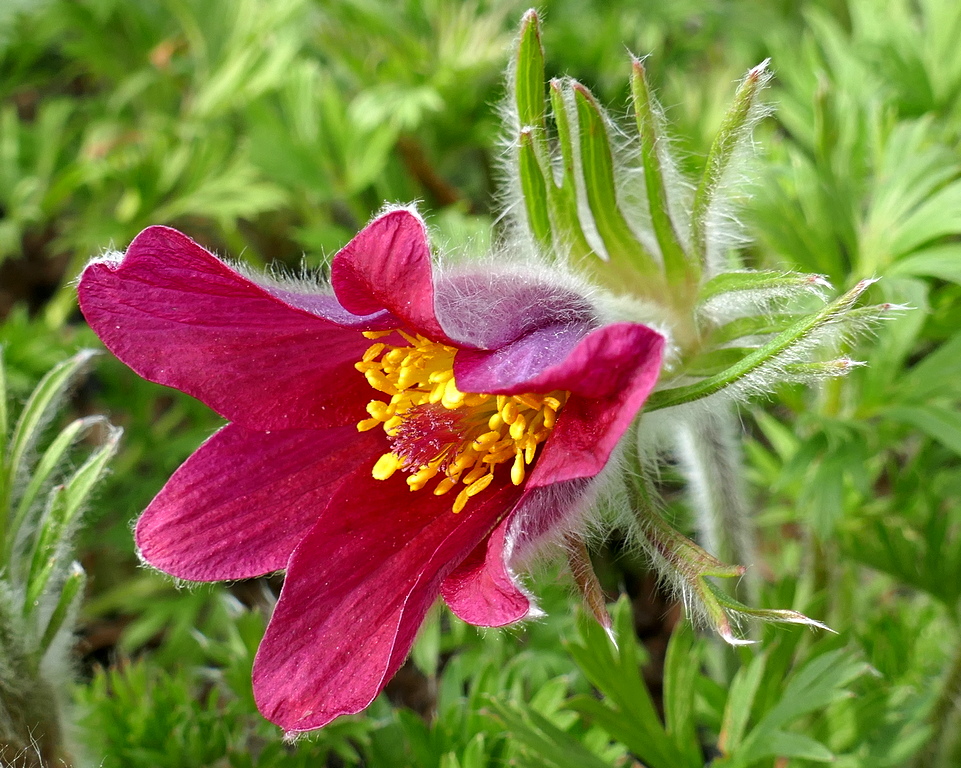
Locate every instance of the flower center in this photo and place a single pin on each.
(436, 430)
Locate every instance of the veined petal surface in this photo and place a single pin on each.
(242, 502)
(357, 590)
(179, 316)
(388, 267)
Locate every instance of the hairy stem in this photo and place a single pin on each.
(711, 459)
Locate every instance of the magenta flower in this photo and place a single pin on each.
(409, 436)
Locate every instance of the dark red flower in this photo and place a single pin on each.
(408, 436)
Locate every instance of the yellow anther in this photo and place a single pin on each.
(373, 351)
(462, 462)
(378, 381)
(406, 376)
(440, 434)
(486, 440)
(550, 417)
(530, 448)
(379, 410)
(436, 394)
(499, 456)
(517, 470)
(444, 486)
(421, 477)
(533, 402)
(375, 334)
(395, 357)
(392, 424)
(479, 485)
(460, 502)
(475, 474)
(386, 466)
(453, 398)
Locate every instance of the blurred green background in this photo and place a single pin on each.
(272, 130)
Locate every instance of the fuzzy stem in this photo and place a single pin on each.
(31, 728)
(711, 458)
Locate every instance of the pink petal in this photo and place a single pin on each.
(387, 267)
(544, 515)
(357, 589)
(181, 317)
(241, 503)
(482, 590)
(610, 372)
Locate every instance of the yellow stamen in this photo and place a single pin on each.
(464, 447)
(386, 466)
(517, 470)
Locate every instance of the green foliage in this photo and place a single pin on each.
(41, 585)
(275, 129)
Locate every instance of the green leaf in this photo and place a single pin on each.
(666, 398)
(544, 739)
(680, 272)
(529, 76)
(817, 684)
(3, 421)
(734, 129)
(940, 261)
(597, 167)
(534, 190)
(40, 408)
(758, 281)
(46, 467)
(563, 198)
(941, 424)
(753, 325)
(716, 360)
(627, 712)
(796, 745)
(938, 216)
(935, 375)
(71, 593)
(58, 524)
(681, 666)
(740, 702)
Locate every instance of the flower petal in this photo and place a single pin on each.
(387, 266)
(357, 589)
(544, 515)
(482, 590)
(609, 372)
(181, 317)
(241, 503)
(490, 309)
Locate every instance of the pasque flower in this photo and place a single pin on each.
(406, 436)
